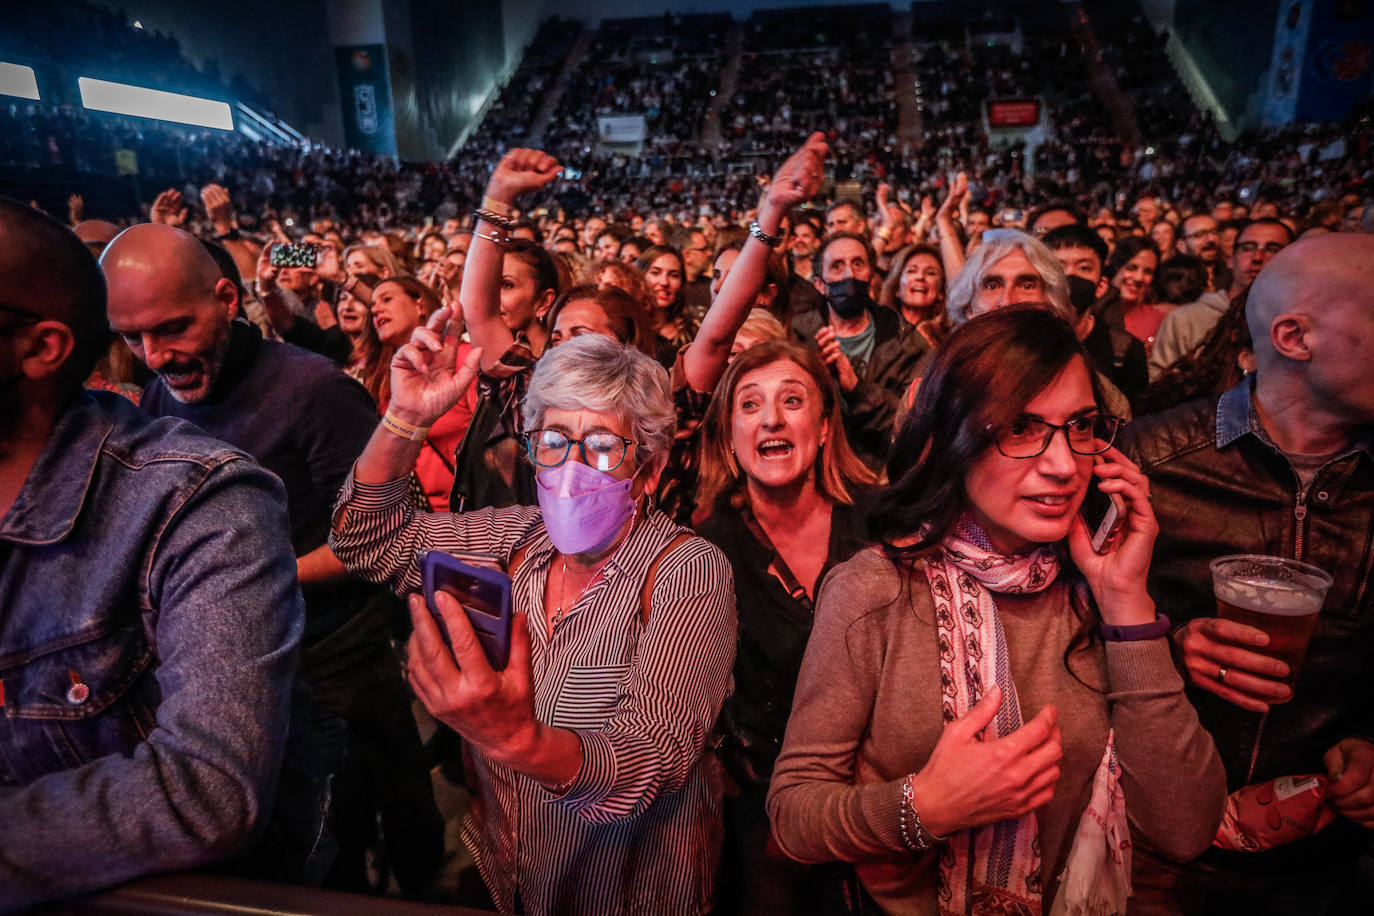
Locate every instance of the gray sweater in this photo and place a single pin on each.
(867, 713)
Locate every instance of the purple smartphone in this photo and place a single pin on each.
(485, 595)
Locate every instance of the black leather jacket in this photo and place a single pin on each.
(1220, 486)
(870, 410)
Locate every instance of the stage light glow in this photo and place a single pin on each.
(120, 98)
(18, 80)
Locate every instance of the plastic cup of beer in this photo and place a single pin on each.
(1280, 596)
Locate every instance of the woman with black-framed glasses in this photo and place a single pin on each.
(988, 715)
(587, 752)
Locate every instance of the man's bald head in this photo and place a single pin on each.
(47, 271)
(96, 233)
(1311, 316)
(1312, 277)
(151, 254)
(171, 304)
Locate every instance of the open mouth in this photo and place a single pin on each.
(185, 378)
(776, 449)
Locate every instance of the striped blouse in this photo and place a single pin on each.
(639, 830)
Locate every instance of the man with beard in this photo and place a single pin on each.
(1200, 237)
(862, 343)
(149, 616)
(1185, 327)
(305, 421)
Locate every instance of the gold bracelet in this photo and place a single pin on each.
(403, 429)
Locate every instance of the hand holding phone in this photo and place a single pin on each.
(1103, 514)
(485, 595)
(294, 255)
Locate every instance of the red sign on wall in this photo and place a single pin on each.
(1013, 113)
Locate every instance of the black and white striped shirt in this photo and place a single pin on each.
(639, 830)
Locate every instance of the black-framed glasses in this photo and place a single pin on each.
(1029, 437)
(549, 448)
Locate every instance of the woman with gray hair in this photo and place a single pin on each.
(590, 789)
(1008, 267)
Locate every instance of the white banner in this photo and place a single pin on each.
(621, 129)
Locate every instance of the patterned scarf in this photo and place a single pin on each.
(993, 869)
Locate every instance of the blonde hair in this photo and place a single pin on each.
(381, 258)
(762, 326)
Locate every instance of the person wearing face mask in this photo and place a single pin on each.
(872, 360)
(591, 789)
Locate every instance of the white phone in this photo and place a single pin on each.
(1103, 513)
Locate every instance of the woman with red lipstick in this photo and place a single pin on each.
(986, 701)
(782, 483)
(399, 306)
(1132, 268)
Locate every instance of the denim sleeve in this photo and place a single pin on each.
(219, 584)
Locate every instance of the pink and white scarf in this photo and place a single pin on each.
(995, 869)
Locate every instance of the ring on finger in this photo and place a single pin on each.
(1221, 674)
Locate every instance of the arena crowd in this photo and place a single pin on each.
(791, 471)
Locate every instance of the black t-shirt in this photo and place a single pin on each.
(304, 420)
(773, 629)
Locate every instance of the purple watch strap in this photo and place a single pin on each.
(1160, 627)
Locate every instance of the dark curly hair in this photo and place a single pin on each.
(1209, 368)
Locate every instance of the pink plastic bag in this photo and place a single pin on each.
(1273, 813)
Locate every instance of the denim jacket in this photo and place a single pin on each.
(149, 631)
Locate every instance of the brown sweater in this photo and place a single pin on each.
(867, 713)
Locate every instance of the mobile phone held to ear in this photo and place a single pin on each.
(1103, 513)
(485, 595)
(294, 255)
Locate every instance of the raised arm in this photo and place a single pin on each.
(519, 171)
(951, 252)
(795, 182)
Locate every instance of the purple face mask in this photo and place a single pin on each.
(584, 509)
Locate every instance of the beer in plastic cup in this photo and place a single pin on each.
(1280, 596)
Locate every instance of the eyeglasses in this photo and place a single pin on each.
(1028, 437)
(549, 448)
(1252, 247)
(1201, 234)
(29, 318)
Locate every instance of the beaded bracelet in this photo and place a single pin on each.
(772, 241)
(924, 838)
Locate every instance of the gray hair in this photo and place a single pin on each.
(997, 244)
(595, 372)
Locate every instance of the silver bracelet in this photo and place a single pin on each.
(772, 241)
(494, 238)
(924, 838)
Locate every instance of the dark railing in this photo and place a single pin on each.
(194, 894)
